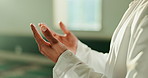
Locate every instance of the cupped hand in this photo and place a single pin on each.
(51, 48)
(68, 39)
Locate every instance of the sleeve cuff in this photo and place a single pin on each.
(80, 48)
(65, 62)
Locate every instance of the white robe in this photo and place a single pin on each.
(128, 55)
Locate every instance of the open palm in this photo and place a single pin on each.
(69, 39)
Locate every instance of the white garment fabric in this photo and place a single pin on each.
(128, 53)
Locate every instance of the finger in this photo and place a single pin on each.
(53, 33)
(58, 37)
(63, 27)
(41, 24)
(37, 36)
(47, 33)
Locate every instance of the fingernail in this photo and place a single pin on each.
(43, 28)
(60, 22)
(31, 24)
(39, 24)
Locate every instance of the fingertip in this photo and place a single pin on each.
(60, 22)
(42, 24)
(31, 24)
(43, 28)
(39, 24)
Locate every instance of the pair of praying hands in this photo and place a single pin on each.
(56, 44)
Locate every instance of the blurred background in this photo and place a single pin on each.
(92, 21)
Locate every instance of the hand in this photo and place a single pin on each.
(52, 49)
(69, 39)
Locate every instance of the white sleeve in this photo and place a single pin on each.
(69, 66)
(94, 59)
(137, 62)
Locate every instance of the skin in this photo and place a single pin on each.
(56, 43)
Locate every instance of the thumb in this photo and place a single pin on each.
(64, 29)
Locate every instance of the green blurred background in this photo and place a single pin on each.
(19, 55)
